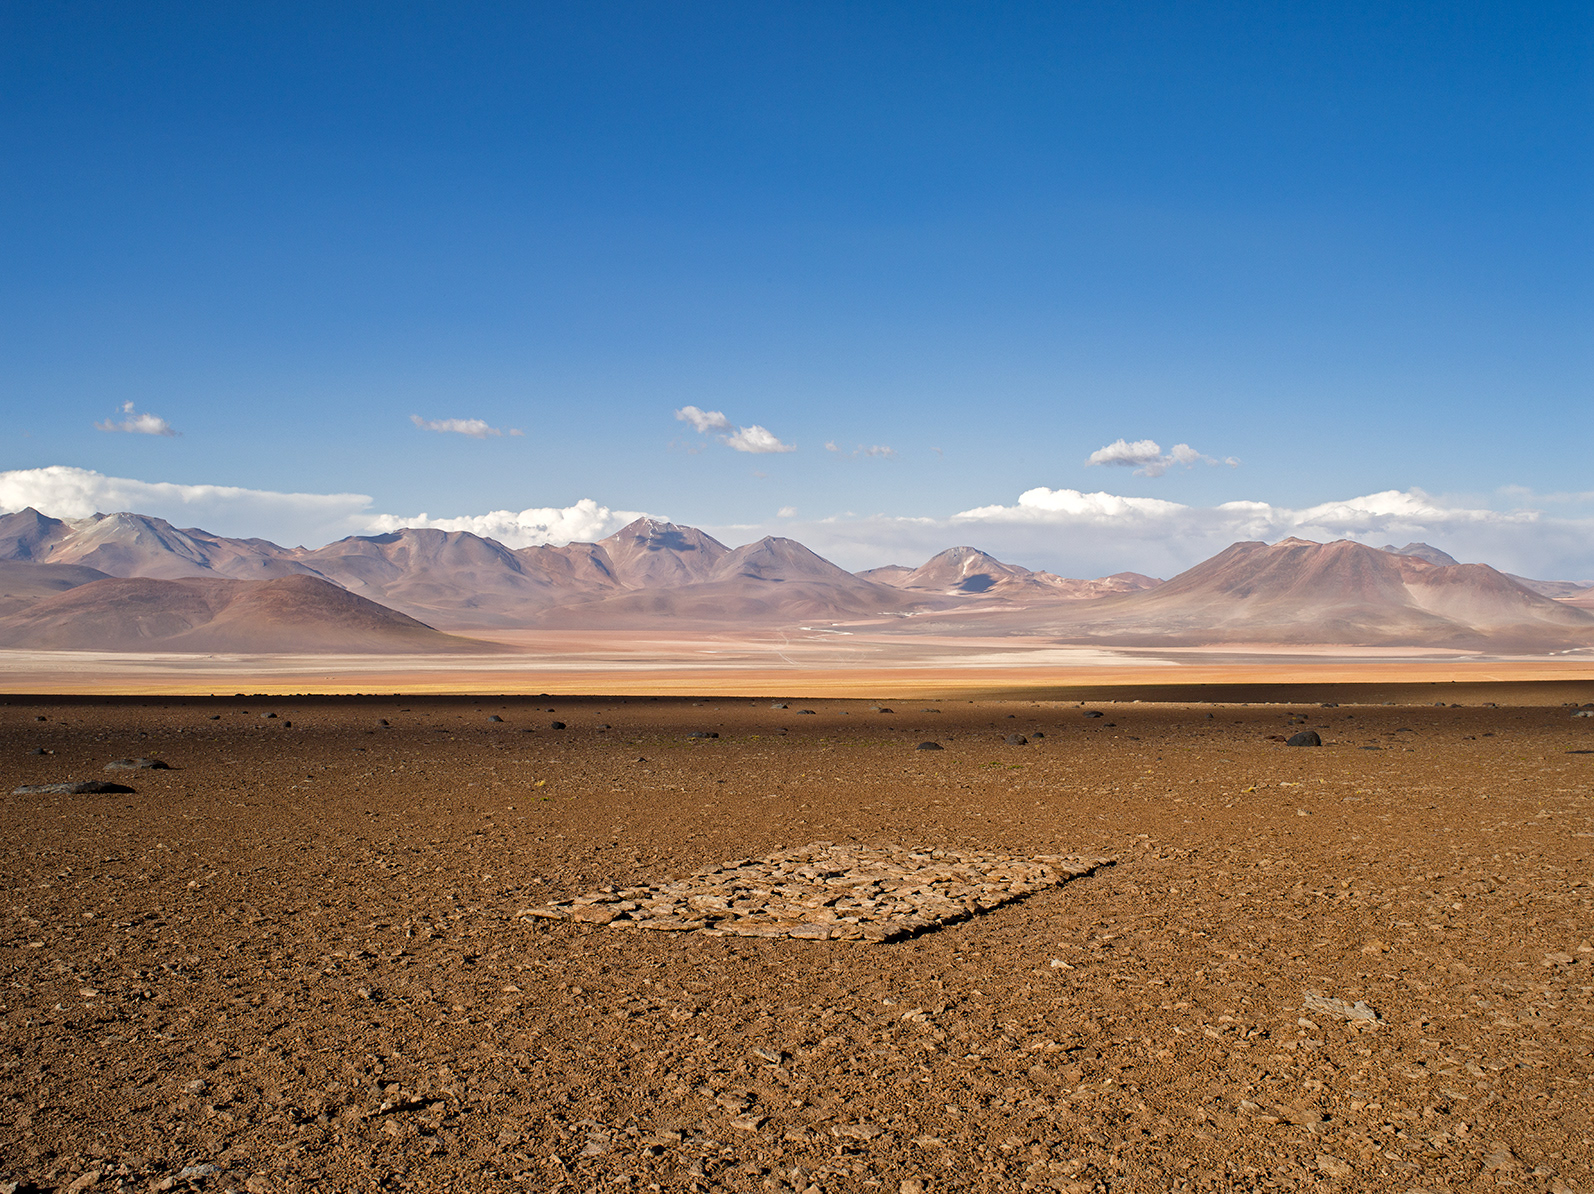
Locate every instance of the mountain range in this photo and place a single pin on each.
(128, 581)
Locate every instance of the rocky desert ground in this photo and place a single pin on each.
(304, 955)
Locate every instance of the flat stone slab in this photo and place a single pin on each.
(825, 892)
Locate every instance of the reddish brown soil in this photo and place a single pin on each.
(296, 956)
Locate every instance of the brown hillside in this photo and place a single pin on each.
(295, 614)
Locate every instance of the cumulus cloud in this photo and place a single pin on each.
(704, 420)
(64, 492)
(751, 438)
(756, 439)
(582, 522)
(1147, 458)
(475, 428)
(137, 424)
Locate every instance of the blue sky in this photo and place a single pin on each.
(1346, 246)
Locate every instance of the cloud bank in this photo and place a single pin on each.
(475, 428)
(311, 519)
(1094, 534)
(581, 523)
(751, 438)
(288, 518)
(1068, 531)
(137, 424)
(1146, 457)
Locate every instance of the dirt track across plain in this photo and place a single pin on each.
(297, 957)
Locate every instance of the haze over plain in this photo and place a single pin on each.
(1092, 291)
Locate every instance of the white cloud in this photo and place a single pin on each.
(475, 428)
(137, 424)
(756, 439)
(1146, 457)
(289, 518)
(751, 438)
(786, 512)
(581, 523)
(704, 420)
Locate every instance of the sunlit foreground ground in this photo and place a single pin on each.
(306, 957)
(829, 662)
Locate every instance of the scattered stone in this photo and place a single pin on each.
(495, 717)
(381, 721)
(1016, 740)
(1304, 738)
(556, 725)
(83, 1182)
(702, 734)
(809, 712)
(826, 892)
(880, 709)
(856, 1131)
(90, 787)
(1316, 1001)
(268, 716)
(929, 746)
(1584, 713)
(138, 765)
(777, 704)
(603, 725)
(189, 1173)
(1094, 713)
(1332, 1166)
(38, 750)
(1501, 1160)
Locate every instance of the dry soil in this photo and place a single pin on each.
(295, 960)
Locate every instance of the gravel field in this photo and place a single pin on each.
(299, 958)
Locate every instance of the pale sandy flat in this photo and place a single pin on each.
(860, 661)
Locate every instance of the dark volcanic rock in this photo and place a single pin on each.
(556, 725)
(703, 734)
(1094, 713)
(1304, 738)
(138, 765)
(1016, 740)
(929, 746)
(90, 787)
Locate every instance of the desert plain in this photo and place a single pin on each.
(305, 956)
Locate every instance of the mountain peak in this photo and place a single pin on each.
(650, 553)
(1422, 551)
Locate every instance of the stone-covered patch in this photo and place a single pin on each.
(826, 892)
